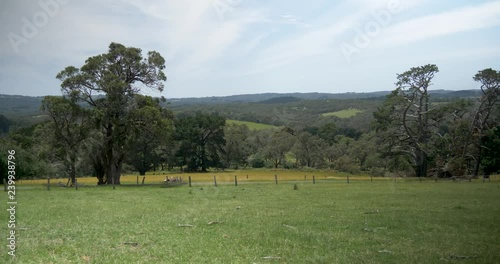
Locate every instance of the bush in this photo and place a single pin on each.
(346, 164)
(258, 162)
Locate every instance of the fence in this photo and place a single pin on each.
(235, 179)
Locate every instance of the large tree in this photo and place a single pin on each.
(308, 150)
(151, 130)
(70, 125)
(486, 106)
(107, 83)
(405, 114)
(201, 139)
(278, 145)
(236, 149)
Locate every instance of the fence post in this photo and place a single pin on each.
(137, 180)
(189, 179)
(276, 179)
(371, 178)
(215, 181)
(4, 185)
(247, 176)
(347, 178)
(314, 179)
(76, 184)
(235, 180)
(305, 177)
(48, 184)
(143, 179)
(113, 182)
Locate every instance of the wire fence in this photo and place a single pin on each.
(227, 178)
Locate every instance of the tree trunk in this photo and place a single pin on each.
(477, 164)
(72, 172)
(71, 159)
(114, 172)
(421, 164)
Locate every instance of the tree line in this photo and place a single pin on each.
(102, 125)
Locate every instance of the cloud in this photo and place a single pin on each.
(454, 21)
(254, 44)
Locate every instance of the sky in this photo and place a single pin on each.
(229, 47)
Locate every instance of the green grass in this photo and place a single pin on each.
(251, 125)
(328, 222)
(346, 113)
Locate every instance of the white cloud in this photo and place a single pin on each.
(256, 44)
(449, 22)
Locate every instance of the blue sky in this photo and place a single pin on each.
(227, 47)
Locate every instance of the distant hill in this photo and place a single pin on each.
(263, 97)
(17, 105)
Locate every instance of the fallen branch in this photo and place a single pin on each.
(289, 226)
(271, 257)
(131, 243)
(461, 257)
(214, 223)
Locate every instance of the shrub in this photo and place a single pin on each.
(257, 162)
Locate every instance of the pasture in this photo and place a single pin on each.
(384, 221)
(346, 113)
(251, 125)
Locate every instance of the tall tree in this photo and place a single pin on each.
(308, 150)
(406, 115)
(107, 83)
(236, 149)
(277, 146)
(151, 128)
(70, 126)
(201, 140)
(490, 97)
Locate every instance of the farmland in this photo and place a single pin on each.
(384, 221)
(345, 113)
(251, 125)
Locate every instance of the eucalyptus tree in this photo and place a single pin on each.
(487, 106)
(277, 146)
(107, 84)
(404, 117)
(308, 150)
(70, 125)
(151, 128)
(201, 139)
(237, 148)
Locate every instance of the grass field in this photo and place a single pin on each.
(251, 125)
(346, 113)
(402, 221)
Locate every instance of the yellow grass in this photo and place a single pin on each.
(227, 176)
(221, 176)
